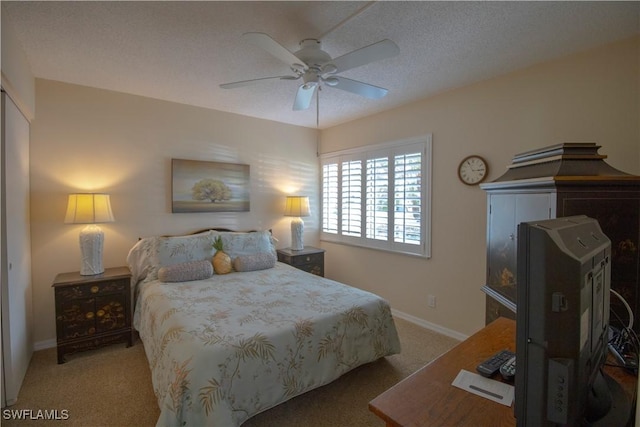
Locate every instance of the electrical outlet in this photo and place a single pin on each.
(431, 301)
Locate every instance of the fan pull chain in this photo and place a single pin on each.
(318, 122)
(318, 108)
(348, 18)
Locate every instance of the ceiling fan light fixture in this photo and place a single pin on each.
(331, 81)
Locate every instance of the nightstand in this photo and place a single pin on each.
(92, 311)
(309, 259)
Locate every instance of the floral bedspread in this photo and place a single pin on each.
(229, 347)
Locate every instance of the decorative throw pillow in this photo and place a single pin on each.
(259, 261)
(186, 271)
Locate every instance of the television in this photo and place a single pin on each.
(562, 318)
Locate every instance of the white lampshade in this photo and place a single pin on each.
(297, 206)
(90, 208)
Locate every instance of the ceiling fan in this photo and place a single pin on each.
(316, 67)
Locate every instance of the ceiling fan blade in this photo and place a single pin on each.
(265, 42)
(374, 52)
(243, 83)
(304, 96)
(359, 88)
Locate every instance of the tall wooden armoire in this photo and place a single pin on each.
(562, 180)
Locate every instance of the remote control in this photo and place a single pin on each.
(508, 369)
(491, 366)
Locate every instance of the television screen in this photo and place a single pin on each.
(562, 320)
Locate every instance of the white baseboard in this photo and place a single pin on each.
(43, 345)
(428, 325)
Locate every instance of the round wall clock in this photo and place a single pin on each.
(473, 170)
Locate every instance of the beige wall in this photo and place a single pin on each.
(592, 96)
(85, 139)
(17, 78)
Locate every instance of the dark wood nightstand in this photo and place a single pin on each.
(309, 259)
(92, 311)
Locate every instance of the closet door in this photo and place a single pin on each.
(17, 340)
(3, 393)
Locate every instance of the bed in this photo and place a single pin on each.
(224, 347)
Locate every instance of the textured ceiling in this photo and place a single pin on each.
(181, 51)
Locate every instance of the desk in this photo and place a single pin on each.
(427, 398)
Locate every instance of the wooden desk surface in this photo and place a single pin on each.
(427, 398)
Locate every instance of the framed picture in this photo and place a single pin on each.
(201, 186)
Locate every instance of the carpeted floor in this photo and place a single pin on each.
(112, 387)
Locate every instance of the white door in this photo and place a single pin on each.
(3, 401)
(17, 340)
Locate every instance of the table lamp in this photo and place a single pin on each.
(90, 208)
(297, 207)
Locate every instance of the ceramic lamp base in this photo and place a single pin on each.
(297, 229)
(91, 244)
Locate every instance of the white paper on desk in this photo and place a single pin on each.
(485, 387)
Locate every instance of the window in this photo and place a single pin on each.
(378, 196)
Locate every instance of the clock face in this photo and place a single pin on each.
(473, 170)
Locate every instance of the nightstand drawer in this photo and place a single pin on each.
(92, 289)
(301, 260)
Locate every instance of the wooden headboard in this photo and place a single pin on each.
(211, 229)
(223, 229)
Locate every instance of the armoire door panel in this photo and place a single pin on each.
(506, 212)
(501, 245)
